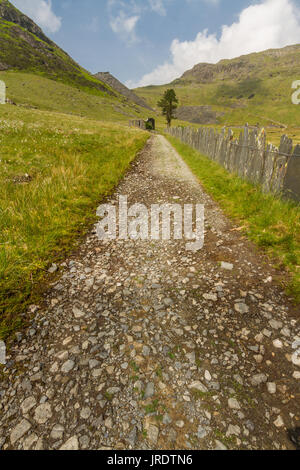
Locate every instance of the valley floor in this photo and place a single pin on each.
(144, 345)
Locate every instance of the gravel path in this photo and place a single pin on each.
(144, 345)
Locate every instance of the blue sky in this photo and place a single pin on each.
(154, 41)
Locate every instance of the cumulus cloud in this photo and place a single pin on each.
(125, 15)
(124, 25)
(41, 12)
(158, 6)
(267, 24)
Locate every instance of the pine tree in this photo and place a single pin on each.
(168, 103)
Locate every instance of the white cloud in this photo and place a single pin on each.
(124, 17)
(125, 14)
(41, 12)
(125, 26)
(267, 24)
(158, 7)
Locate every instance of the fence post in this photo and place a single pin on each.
(277, 170)
(280, 163)
(291, 183)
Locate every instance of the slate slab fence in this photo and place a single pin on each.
(138, 123)
(277, 170)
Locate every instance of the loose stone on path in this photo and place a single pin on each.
(144, 345)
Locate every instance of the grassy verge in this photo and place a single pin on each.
(55, 169)
(271, 223)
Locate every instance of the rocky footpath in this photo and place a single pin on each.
(144, 345)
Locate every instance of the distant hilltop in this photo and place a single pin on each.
(116, 85)
(254, 88)
(240, 68)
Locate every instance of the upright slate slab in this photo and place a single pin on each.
(244, 152)
(256, 164)
(2, 92)
(291, 184)
(281, 163)
(277, 170)
(270, 156)
(138, 123)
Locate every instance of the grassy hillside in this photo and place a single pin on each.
(40, 74)
(32, 90)
(55, 170)
(255, 88)
(25, 47)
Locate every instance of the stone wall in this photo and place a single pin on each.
(277, 170)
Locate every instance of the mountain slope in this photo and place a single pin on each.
(116, 85)
(33, 91)
(252, 88)
(38, 74)
(270, 63)
(25, 47)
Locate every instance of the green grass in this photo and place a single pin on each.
(152, 407)
(72, 164)
(134, 366)
(270, 222)
(227, 441)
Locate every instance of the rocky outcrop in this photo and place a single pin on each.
(9, 13)
(198, 114)
(116, 85)
(243, 67)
